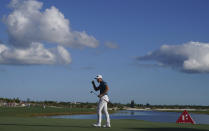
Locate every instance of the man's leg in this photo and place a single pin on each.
(106, 114)
(99, 111)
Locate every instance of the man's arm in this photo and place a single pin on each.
(106, 90)
(94, 86)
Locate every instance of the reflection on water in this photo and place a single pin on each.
(154, 116)
(132, 113)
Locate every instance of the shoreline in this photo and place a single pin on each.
(60, 114)
(66, 113)
(159, 109)
(196, 111)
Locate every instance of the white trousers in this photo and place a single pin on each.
(102, 106)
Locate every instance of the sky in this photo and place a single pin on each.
(148, 51)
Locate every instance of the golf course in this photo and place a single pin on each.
(98, 65)
(26, 119)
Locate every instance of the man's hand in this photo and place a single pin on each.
(94, 86)
(100, 96)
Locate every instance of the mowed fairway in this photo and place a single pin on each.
(25, 119)
(47, 124)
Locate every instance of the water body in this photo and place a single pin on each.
(153, 116)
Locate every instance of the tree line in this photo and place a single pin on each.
(132, 104)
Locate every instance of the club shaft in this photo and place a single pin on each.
(96, 95)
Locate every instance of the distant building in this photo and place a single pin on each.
(12, 104)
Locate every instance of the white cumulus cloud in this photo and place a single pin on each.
(29, 27)
(190, 57)
(27, 24)
(35, 54)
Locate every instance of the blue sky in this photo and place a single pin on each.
(136, 27)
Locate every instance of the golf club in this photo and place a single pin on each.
(92, 92)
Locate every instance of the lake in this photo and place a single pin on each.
(153, 116)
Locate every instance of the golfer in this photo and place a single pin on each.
(103, 100)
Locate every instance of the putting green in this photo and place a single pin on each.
(49, 124)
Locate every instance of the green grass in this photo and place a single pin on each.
(46, 124)
(19, 119)
(40, 111)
